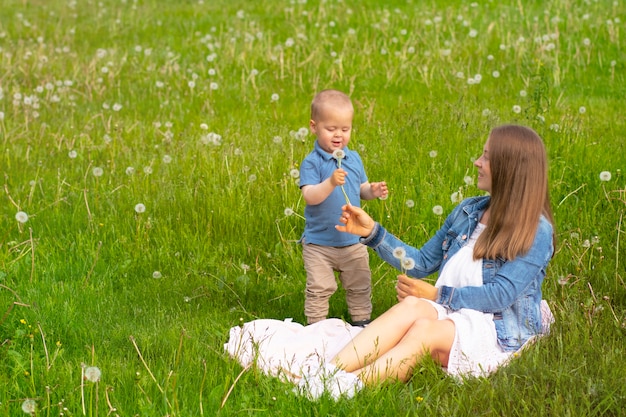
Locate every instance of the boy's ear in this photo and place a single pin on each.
(312, 126)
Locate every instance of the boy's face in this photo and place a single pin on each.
(333, 127)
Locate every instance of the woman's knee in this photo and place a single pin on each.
(418, 307)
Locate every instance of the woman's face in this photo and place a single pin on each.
(484, 170)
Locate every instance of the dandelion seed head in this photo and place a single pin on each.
(117, 107)
(29, 406)
(468, 180)
(456, 197)
(130, 170)
(303, 132)
(399, 253)
(582, 110)
(167, 159)
(339, 154)
(495, 74)
(157, 275)
(275, 97)
(410, 203)
(213, 86)
(97, 171)
(408, 264)
(288, 211)
(252, 178)
(72, 154)
(92, 374)
(21, 217)
(277, 139)
(438, 210)
(140, 208)
(147, 170)
(517, 109)
(432, 154)
(605, 176)
(486, 112)
(294, 173)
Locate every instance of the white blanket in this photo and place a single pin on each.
(282, 348)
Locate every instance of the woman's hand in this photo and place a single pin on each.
(416, 287)
(356, 221)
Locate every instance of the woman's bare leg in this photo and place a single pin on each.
(384, 334)
(426, 336)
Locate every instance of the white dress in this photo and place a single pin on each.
(284, 348)
(475, 350)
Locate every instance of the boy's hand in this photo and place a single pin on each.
(338, 177)
(379, 189)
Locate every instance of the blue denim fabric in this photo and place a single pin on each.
(511, 289)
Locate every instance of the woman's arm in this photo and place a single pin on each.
(427, 259)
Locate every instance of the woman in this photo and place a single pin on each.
(491, 255)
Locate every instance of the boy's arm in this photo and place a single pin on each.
(316, 194)
(370, 191)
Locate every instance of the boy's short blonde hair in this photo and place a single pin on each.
(332, 97)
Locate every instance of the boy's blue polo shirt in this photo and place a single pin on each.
(321, 219)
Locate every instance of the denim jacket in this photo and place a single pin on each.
(511, 289)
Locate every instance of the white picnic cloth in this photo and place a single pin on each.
(282, 348)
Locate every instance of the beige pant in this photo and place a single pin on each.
(352, 263)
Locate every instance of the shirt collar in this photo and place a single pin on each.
(328, 156)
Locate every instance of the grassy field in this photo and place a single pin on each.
(148, 157)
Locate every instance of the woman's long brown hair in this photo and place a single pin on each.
(519, 192)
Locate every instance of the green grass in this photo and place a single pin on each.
(149, 297)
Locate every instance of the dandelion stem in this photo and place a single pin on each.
(570, 194)
(93, 265)
(132, 339)
(45, 347)
(202, 386)
(108, 400)
(619, 231)
(233, 385)
(32, 254)
(346, 196)
(82, 387)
